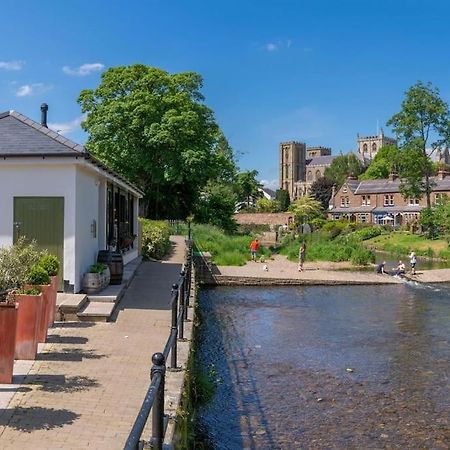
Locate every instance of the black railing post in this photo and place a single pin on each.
(159, 367)
(174, 327)
(182, 299)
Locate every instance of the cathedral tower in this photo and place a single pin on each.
(292, 165)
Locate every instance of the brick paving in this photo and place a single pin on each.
(86, 387)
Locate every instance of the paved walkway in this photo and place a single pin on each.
(85, 389)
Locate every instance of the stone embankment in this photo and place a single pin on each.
(279, 271)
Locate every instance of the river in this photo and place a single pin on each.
(346, 367)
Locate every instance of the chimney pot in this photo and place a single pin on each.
(392, 176)
(44, 109)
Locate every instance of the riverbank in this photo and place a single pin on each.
(280, 272)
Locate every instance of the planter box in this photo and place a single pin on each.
(52, 308)
(8, 325)
(93, 283)
(46, 290)
(28, 321)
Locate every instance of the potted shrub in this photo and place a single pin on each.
(51, 265)
(8, 326)
(37, 277)
(28, 321)
(96, 279)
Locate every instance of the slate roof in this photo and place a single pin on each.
(397, 209)
(354, 209)
(390, 187)
(23, 137)
(18, 137)
(320, 160)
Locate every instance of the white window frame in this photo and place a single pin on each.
(388, 200)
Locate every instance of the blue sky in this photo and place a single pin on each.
(318, 72)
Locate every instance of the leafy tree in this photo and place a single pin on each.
(153, 128)
(266, 205)
(282, 196)
(342, 167)
(248, 186)
(423, 121)
(386, 160)
(322, 190)
(306, 209)
(216, 206)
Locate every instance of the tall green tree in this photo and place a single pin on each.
(342, 167)
(386, 160)
(282, 196)
(248, 186)
(154, 128)
(422, 123)
(321, 190)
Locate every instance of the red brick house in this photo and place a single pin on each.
(380, 201)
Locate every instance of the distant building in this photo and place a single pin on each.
(368, 146)
(301, 166)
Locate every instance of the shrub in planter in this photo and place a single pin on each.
(38, 277)
(96, 279)
(50, 264)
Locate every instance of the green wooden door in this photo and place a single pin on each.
(42, 219)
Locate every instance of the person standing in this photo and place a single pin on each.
(301, 256)
(413, 262)
(254, 247)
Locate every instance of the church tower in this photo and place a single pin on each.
(292, 164)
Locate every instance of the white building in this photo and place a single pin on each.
(54, 191)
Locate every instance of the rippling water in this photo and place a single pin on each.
(353, 367)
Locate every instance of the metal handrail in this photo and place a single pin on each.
(154, 398)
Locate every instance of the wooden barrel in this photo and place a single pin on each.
(114, 261)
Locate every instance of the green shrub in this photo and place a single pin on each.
(29, 291)
(16, 261)
(334, 227)
(362, 257)
(37, 276)
(368, 233)
(97, 268)
(155, 238)
(50, 263)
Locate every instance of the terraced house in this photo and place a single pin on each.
(380, 201)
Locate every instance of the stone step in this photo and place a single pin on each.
(96, 312)
(68, 305)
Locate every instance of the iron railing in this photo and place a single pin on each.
(154, 399)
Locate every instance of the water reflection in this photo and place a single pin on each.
(327, 367)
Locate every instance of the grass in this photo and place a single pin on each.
(320, 247)
(402, 243)
(225, 249)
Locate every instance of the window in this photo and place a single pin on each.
(365, 148)
(318, 174)
(374, 148)
(388, 200)
(343, 202)
(363, 218)
(309, 177)
(344, 189)
(413, 201)
(439, 198)
(365, 200)
(286, 171)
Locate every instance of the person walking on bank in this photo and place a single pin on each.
(254, 247)
(413, 261)
(301, 256)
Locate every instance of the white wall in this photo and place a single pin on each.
(87, 207)
(19, 178)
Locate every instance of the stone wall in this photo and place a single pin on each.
(264, 218)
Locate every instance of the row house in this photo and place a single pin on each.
(380, 201)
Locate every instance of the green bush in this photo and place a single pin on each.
(155, 238)
(334, 227)
(362, 257)
(29, 291)
(97, 268)
(16, 261)
(368, 233)
(37, 276)
(50, 263)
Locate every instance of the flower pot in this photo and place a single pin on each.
(46, 290)
(28, 321)
(92, 283)
(52, 309)
(8, 325)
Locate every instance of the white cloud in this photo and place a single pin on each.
(32, 89)
(66, 127)
(270, 184)
(83, 70)
(11, 65)
(271, 47)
